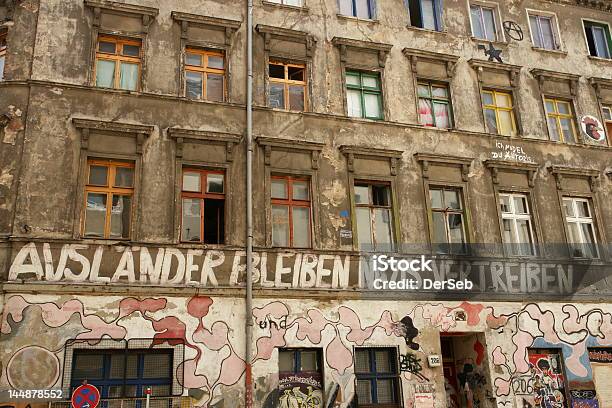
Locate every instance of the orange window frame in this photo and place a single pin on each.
(108, 189)
(201, 195)
(286, 82)
(290, 202)
(117, 57)
(205, 69)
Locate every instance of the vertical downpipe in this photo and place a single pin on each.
(249, 212)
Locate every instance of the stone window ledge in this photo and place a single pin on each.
(271, 4)
(427, 158)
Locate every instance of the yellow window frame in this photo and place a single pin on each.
(109, 190)
(497, 109)
(204, 69)
(558, 116)
(117, 57)
(287, 82)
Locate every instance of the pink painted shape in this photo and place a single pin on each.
(523, 340)
(339, 357)
(499, 358)
(198, 306)
(312, 327)
(502, 385)
(216, 338)
(232, 369)
(349, 318)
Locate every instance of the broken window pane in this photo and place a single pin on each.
(277, 71)
(95, 215)
(191, 219)
(193, 84)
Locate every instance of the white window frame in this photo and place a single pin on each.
(580, 220)
(284, 3)
(586, 41)
(499, 32)
(513, 216)
(554, 26)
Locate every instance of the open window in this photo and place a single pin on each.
(426, 14)
(203, 206)
(287, 86)
(598, 39)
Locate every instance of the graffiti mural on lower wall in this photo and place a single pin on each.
(499, 366)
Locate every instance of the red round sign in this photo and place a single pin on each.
(85, 396)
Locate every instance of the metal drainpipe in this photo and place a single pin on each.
(249, 212)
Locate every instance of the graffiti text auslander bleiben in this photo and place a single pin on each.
(384, 263)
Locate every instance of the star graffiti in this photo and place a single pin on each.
(492, 52)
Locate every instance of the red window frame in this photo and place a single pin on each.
(201, 195)
(290, 203)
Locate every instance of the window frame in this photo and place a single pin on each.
(448, 101)
(530, 217)
(348, 71)
(444, 186)
(287, 82)
(202, 195)
(607, 107)
(110, 191)
(607, 31)
(590, 200)
(284, 3)
(558, 116)
(371, 10)
(369, 182)
(297, 352)
(139, 382)
(438, 6)
(497, 109)
(373, 375)
(494, 7)
(554, 25)
(117, 58)
(3, 52)
(289, 202)
(204, 52)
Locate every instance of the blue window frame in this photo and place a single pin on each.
(124, 373)
(376, 377)
(425, 14)
(358, 8)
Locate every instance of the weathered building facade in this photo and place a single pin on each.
(382, 127)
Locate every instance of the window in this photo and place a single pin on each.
(447, 218)
(300, 377)
(290, 212)
(374, 215)
(484, 25)
(499, 113)
(203, 197)
(108, 199)
(434, 105)
(124, 373)
(357, 8)
(364, 95)
(376, 377)
(561, 126)
(297, 3)
(118, 63)
(580, 227)
(543, 33)
(607, 115)
(205, 75)
(598, 39)
(516, 224)
(2, 54)
(287, 87)
(426, 14)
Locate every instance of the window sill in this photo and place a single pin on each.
(365, 20)
(600, 59)
(368, 120)
(426, 30)
(271, 4)
(484, 41)
(545, 50)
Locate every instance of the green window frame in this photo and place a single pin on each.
(593, 32)
(367, 88)
(434, 104)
